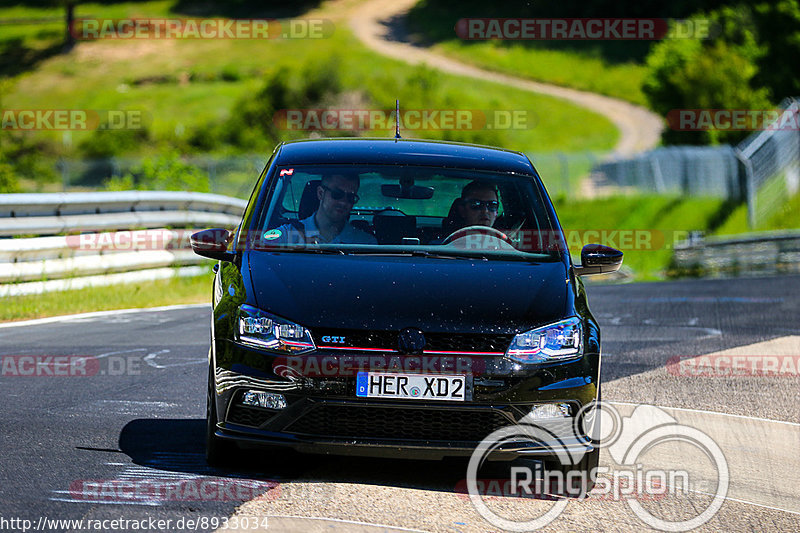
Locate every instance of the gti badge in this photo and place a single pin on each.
(334, 340)
(411, 341)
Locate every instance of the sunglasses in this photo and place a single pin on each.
(339, 194)
(475, 205)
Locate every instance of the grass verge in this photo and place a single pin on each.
(660, 221)
(603, 67)
(183, 85)
(173, 291)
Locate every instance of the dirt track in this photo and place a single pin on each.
(378, 24)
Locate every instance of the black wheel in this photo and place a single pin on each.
(583, 474)
(219, 452)
(587, 466)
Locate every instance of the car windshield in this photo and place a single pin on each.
(393, 209)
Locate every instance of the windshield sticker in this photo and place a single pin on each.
(287, 171)
(272, 234)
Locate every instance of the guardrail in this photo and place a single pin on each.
(34, 258)
(744, 255)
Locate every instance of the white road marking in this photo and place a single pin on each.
(98, 314)
(711, 413)
(340, 520)
(750, 503)
(133, 473)
(95, 502)
(149, 358)
(758, 451)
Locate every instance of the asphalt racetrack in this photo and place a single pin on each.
(123, 438)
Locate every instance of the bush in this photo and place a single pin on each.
(252, 126)
(29, 157)
(105, 143)
(8, 181)
(167, 172)
(718, 73)
(779, 29)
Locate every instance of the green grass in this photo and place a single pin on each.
(111, 70)
(606, 67)
(565, 68)
(562, 172)
(776, 209)
(664, 219)
(125, 296)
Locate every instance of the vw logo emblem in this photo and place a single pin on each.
(411, 341)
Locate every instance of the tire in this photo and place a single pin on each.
(219, 452)
(587, 466)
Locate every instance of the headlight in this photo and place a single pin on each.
(263, 330)
(562, 340)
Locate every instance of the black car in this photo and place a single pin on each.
(398, 298)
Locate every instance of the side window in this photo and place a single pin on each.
(247, 216)
(293, 192)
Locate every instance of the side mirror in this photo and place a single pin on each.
(598, 259)
(212, 243)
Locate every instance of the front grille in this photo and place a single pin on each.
(443, 342)
(248, 416)
(398, 423)
(456, 342)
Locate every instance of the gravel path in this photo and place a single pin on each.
(379, 25)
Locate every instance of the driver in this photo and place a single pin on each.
(477, 206)
(329, 223)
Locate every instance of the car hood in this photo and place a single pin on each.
(391, 293)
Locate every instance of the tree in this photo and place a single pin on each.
(718, 73)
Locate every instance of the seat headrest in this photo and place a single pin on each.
(453, 221)
(309, 201)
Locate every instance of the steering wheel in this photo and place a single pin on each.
(477, 230)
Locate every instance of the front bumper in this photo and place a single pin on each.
(323, 414)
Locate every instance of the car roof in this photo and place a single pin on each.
(347, 151)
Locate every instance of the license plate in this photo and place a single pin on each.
(411, 386)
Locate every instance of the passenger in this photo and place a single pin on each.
(337, 194)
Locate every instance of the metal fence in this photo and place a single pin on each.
(764, 253)
(235, 176)
(689, 170)
(228, 175)
(763, 170)
(771, 163)
(76, 240)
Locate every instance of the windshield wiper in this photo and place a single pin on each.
(302, 249)
(421, 253)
